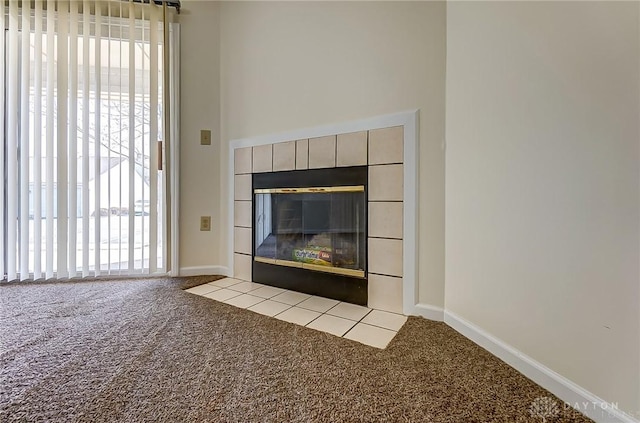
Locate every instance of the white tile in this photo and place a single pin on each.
(352, 149)
(242, 160)
(202, 289)
(242, 187)
(386, 145)
(291, 297)
(370, 335)
(267, 291)
(246, 287)
(225, 283)
(230, 282)
(332, 324)
(385, 293)
(386, 183)
(385, 256)
(322, 152)
(385, 219)
(349, 311)
(297, 315)
(222, 294)
(384, 319)
(242, 213)
(302, 154)
(284, 156)
(269, 308)
(242, 240)
(318, 304)
(244, 301)
(242, 267)
(263, 158)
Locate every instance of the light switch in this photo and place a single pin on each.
(205, 137)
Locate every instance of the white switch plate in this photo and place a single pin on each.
(205, 137)
(205, 223)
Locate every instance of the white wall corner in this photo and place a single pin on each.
(205, 270)
(410, 242)
(231, 204)
(427, 311)
(572, 394)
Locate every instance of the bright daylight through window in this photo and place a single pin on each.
(81, 117)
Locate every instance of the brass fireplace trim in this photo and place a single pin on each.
(310, 190)
(309, 266)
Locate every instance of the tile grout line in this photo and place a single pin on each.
(382, 327)
(356, 322)
(300, 302)
(294, 305)
(264, 300)
(316, 318)
(247, 308)
(241, 294)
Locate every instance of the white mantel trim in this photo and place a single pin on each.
(410, 121)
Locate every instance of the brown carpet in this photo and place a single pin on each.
(144, 350)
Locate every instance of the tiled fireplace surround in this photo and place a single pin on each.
(383, 148)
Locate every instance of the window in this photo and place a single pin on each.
(83, 110)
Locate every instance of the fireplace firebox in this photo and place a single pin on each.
(309, 231)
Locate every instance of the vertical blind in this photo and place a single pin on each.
(81, 114)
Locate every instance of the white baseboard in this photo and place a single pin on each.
(572, 394)
(427, 311)
(204, 270)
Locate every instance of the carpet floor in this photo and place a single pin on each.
(146, 351)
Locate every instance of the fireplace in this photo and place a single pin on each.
(378, 156)
(309, 231)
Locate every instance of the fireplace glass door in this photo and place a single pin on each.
(318, 228)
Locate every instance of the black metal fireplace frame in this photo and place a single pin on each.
(329, 285)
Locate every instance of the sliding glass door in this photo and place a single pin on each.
(84, 190)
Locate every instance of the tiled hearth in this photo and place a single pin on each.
(362, 324)
(382, 151)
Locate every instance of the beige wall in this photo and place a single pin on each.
(542, 178)
(200, 109)
(542, 209)
(291, 65)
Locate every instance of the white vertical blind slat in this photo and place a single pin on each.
(73, 138)
(109, 81)
(143, 150)
(86, 66)
(120, 138)
(2, 158)
(62, 140)
(12, 140)
(25, 74)
(166, 137)
(153, 138)
(50, 146)
(37, 145)
(66, 156)
(132, 133)
(97, 135)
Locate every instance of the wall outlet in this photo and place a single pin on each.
(205, 137)
(205, 223)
